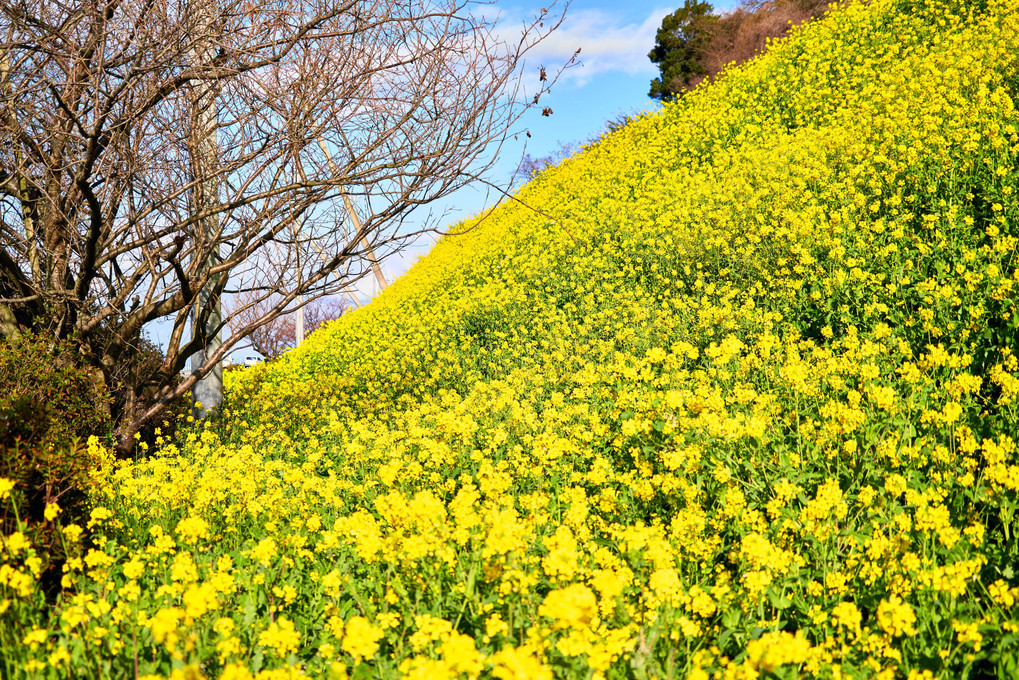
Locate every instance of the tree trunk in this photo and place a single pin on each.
(208, 391)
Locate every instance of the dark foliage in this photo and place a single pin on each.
(680, 48)
(49, 405)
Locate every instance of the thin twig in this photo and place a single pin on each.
(506, 195)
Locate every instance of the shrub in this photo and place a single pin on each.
(69, 400)
(48, 405)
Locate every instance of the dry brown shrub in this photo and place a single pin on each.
(743, 33)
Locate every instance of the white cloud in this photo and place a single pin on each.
(610, 41)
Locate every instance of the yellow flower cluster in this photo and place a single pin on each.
(746, 408)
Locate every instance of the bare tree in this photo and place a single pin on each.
(113, 214)
(274, 338)
(531, 166)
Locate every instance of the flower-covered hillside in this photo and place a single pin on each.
(744, 407)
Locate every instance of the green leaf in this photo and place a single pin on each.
(779, 601)
(363, 672)
(731, 618)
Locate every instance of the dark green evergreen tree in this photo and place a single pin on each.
(679, 48)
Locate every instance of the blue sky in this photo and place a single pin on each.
(615, 74)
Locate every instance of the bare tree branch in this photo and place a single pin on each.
(387, 104)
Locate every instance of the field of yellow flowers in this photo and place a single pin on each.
(746, 408)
